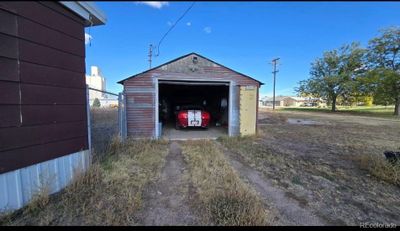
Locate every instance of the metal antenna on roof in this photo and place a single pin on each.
(172, 27)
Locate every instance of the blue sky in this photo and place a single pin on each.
(244, 36)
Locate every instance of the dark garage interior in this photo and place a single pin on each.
(210, 96)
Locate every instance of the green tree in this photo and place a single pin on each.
(96, 103)
(334, 74)
(383, 63)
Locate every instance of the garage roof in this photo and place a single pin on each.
(193, 53)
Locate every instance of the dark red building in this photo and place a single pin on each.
(43, 109)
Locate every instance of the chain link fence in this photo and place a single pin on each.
(106, 119)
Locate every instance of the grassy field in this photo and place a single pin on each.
(335, 168)
(375, 111)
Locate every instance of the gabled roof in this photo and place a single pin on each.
(298, 98)
(277, 98)
(184, 56)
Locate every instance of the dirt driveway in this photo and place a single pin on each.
(167, 200)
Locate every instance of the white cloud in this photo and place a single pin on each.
(188, 24)
(88, 37)
(157, 5)
(207, 30)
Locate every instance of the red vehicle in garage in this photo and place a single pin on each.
(192, 116)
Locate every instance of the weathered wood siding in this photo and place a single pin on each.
(141, 90)
(42, 83)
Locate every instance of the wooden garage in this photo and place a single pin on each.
(43, 106)
(190, 79)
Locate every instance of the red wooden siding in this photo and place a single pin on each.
(9, 69)
(50, 76)
(9, 92)
(139, 89)
(9, 116)
(39, 153)
(33, 114)
(43, 13)
(9, 23)
(42, 83)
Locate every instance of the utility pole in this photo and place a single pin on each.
(150, 54)
(274, 61)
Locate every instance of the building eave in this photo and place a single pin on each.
(88, 10)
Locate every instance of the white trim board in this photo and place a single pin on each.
(87, 10)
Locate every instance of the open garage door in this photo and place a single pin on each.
(192, 96)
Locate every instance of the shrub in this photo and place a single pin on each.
(380, 168)
(96, 103)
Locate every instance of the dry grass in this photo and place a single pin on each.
(223, 198)
(109, 193)
(379, 167)
(103, 115)
(315, 164)
(274, 118)
(252, 150)
(104, 125)
(39, 201)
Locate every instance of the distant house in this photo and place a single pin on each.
(291, 101)
(268, 101)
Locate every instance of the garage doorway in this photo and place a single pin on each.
(211, 96)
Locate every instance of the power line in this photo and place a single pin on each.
(150, 54)
(274, 61)
(172, 27)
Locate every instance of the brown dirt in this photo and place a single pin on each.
(166, 201)
(316, 164)
(290, 211)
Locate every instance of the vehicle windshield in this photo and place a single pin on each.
(191, 107)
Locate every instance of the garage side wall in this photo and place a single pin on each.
(42, 83)
(141, 91)
(43, 117)
(140, 106)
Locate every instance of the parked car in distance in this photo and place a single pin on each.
(311, 104)
(192, 116)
